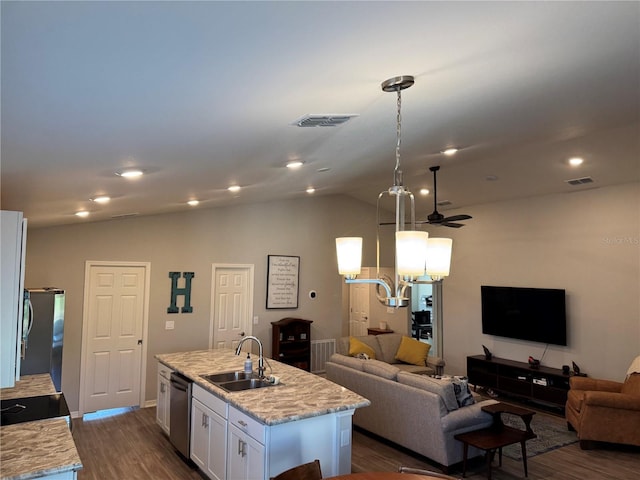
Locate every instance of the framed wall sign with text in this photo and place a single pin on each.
(282, 281)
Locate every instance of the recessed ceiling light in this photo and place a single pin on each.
(311, 190)
(323, 169)
(82, 214)
(234, 188)
(193, 203)
(424, 191)
(130, 173)
(295, 164)
(450, 151)
(575, 161)
(101, 199)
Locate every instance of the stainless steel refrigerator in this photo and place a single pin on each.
(42, 333)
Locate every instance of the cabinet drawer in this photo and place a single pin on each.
(164, 371)
(208, 399)
(247, 424)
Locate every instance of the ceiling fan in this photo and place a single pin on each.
(436, 218)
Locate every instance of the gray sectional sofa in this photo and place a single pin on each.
(410, 409)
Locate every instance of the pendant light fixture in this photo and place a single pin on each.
(416, 254)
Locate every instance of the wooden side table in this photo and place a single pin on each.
(498, 435)
(377, 331)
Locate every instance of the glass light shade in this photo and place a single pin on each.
(349, 250)
(411, 252)
(439, 256)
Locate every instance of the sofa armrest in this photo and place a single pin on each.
(437, 364)
(594, 384)
(620, 401)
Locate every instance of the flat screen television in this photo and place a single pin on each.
(533, 314)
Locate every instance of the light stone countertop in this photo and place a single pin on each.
(35, 449)
(29, 386)
(300, 394)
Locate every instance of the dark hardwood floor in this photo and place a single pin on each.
(132, 446)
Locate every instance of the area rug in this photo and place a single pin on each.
(551, 433)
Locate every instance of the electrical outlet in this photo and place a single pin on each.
(169, 325)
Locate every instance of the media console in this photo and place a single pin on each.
(543, 384)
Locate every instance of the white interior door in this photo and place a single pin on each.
(113, 336)
(232, 308)
(359, 307)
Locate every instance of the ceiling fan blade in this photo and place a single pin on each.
(457, 218)
(452, 225)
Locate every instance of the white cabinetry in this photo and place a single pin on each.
(227, 443)
(164, 397)
(246, 452)
(13, 231)
(209, 433)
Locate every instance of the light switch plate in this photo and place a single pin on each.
(255, 320)
(169, 325)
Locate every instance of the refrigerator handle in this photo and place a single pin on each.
(30, 324)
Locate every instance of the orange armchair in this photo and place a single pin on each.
(604, 410)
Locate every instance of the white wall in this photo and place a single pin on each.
(193, 241)
(587, 243)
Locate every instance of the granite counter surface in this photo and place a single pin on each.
(35, 449)
(299, 395)
(29, 386)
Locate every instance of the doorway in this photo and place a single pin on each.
(114, 335)
(231, 304)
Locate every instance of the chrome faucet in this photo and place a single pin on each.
(261, 359)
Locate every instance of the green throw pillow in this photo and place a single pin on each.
(412, 351)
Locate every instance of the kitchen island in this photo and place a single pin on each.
(271, 429)
(37, 449)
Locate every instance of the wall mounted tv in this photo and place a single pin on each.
(533, 314)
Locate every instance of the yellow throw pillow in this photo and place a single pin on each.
(356, 347)
(412, 351)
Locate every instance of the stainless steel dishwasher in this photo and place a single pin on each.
(180, 413)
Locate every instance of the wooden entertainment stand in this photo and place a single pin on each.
(543, 384)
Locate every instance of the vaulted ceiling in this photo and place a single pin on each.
(204, 95)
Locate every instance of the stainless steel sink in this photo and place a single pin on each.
(228, 377)
(237, 381)
(248, 384)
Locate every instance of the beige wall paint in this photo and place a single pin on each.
(193, 241)
(570, 241)
(586, 242)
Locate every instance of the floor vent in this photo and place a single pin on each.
(321, 350)
(324, 120)
(580, 181)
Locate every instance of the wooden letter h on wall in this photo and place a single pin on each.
(175, 291)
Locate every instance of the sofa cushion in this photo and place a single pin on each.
(631, 385)
(444, 389)
(357, 346)
(352, 362)
(381, 369)
(419, 369)
(412, 351)
(387, 345)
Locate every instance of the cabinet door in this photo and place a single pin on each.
(208, 440)
(162, 404)
(199, 434)
(217, 447)
(245, 456)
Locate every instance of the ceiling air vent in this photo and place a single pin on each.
(580, 181)
(323, 120)
(444, 203)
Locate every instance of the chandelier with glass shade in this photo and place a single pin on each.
(416, 255)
